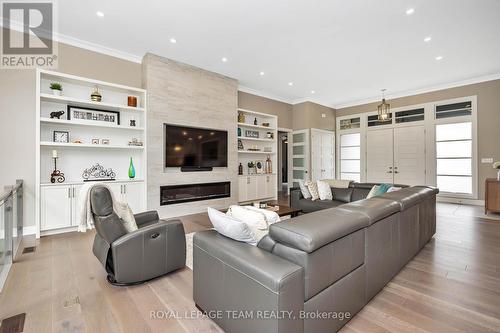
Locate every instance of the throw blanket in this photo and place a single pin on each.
(85, 216)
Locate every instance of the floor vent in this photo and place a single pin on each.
(14, 324)
(71, 302)
(30, 249)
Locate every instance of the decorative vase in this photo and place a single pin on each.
(56, 92)
(131, 170)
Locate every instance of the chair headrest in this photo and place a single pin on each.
(101, 201)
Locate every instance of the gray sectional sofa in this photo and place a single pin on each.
(311, 273)
(355, 192)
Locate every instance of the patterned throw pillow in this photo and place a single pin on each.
(324, 190)
(373, 192)
(313, 189)
(305, 191)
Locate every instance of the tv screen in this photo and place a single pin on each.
(191, 147)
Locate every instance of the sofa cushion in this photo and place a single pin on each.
(233, 228)
(374, 208)
(342, 194)
(359, 193)
(309, 206)
(311, 231)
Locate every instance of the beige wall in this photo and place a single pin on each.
(17, 112)
(183, 94)
(266, 105)
(309, 115)
(488, 118)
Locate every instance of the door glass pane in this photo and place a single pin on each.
(298, 150)
(455, 184)
(298, 174)
(454, 166)
(454, 149)
(350, 166)
(351, 176)
(298, 162)
(299, 137)
(458, 131)
(350, 139)
(350, 153)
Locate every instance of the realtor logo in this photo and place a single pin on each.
(27, 37)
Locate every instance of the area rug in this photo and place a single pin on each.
(189, 250)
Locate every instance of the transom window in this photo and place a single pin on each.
(409, 116)
(374, 121)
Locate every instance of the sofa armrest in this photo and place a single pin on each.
(149, 252)
(234, 276)
(295, 196)
(145, 217)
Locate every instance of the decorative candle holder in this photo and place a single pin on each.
(56, 175)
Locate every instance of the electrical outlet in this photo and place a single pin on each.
(487, 160)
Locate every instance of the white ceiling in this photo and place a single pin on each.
(346, 51)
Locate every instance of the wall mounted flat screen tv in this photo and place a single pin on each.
(190, 147)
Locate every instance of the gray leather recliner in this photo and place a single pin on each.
(156, 248)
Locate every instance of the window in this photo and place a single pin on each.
(454, 110)
(409, 116)
(350, 123)
(454, 157)
(350, 156)
(374, 121)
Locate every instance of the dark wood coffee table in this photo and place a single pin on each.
(285, 210)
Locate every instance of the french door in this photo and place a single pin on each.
(396, 155)
(322, 154)
(300, 156)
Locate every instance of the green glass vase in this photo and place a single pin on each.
(131, 170)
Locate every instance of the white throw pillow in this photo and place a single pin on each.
(250, 217)
(313, 189)
(373, 191)
(324, 190)
(305, 191)
(393, 189)
(127, 216)
(232, 228)
(271, 217)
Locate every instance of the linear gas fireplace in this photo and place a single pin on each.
(174, 194)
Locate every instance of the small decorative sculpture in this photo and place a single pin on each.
(98, 173)
(56, 114)
(56, 175)
(255, 121)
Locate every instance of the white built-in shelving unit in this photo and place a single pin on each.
(263, 186)
(56, 203)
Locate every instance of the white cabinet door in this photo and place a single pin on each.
(117, 190)
(243, 188)
(261, 187)
(271, 186)
(75, 207)
(379, 156)
(409, 155)
(55, 207)
(134, 196)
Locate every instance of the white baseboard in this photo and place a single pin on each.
(58, 231)
(31, 230)
(4, 272)
(462, 201)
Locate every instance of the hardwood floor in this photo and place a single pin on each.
(452, 285)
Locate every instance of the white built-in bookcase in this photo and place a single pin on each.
(258, 187)
(75, 157)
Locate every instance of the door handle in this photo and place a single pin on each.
(69, 192)
(389, 171)
(73, 192)
(125, 189)
(396, 171)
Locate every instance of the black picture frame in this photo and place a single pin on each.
(70, 107)
(54, 136)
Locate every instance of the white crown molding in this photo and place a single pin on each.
(60, 38)
(264, 94)
(455, 84)
(311, 100)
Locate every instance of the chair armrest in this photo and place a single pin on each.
(146, 217)
(149, 252)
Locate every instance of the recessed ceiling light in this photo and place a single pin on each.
(439, 58)
(313, 92)
(100, 14)
(427, 39)
(224, 59)
(262, 73)
(410, 11)
(173, 40)
(290, 83)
